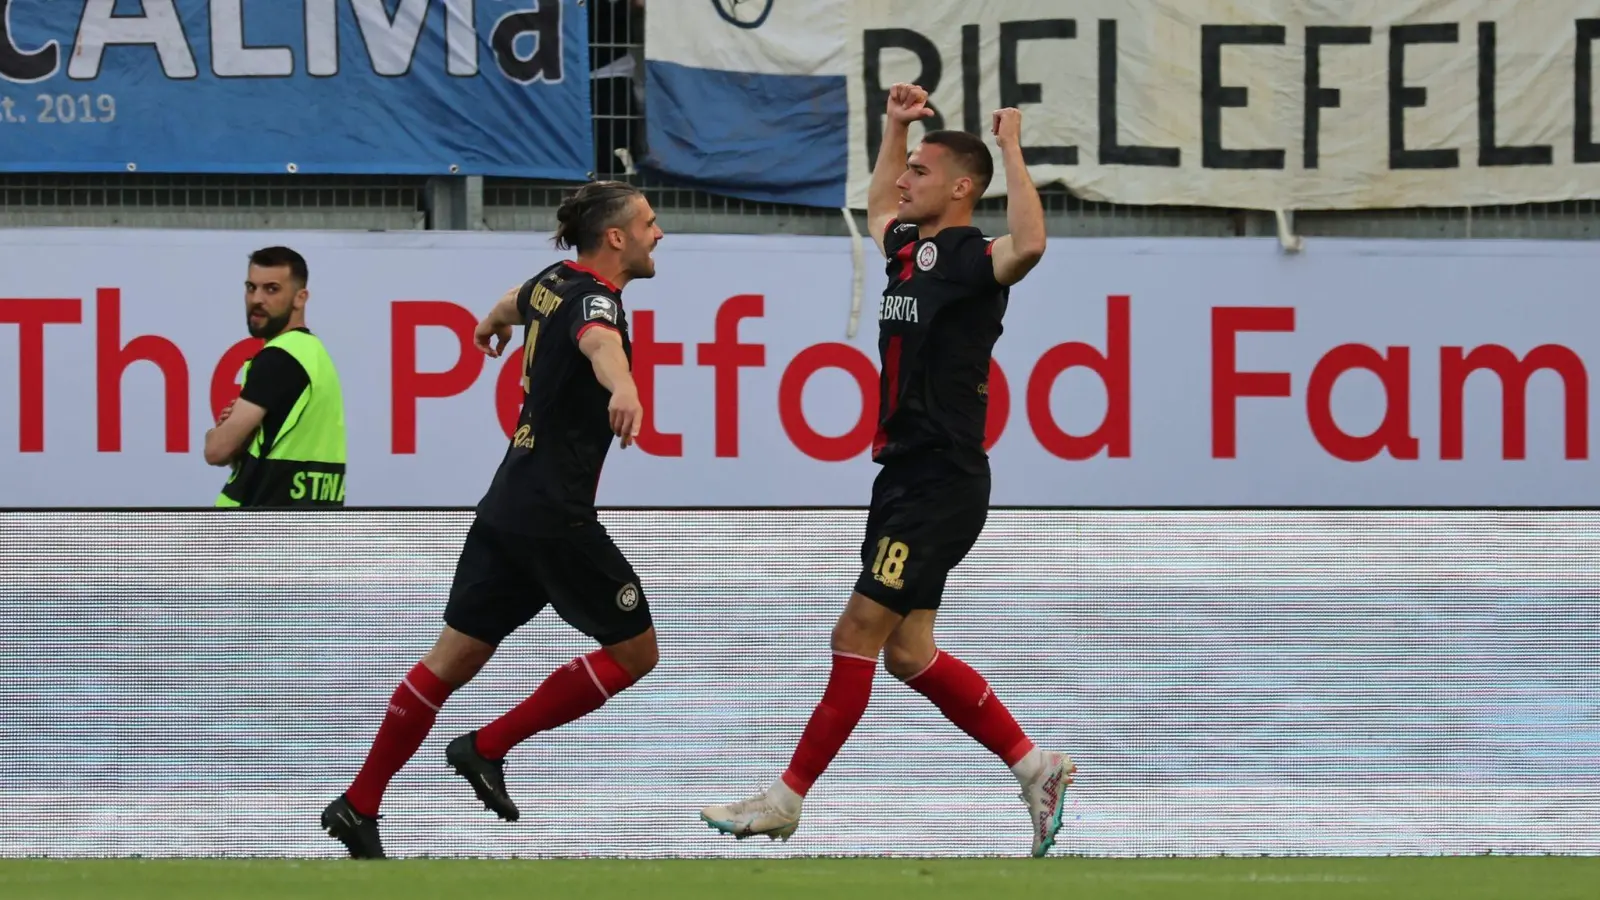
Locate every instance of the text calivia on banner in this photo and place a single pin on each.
(414, 87)
(1131, 373)
(1257, 104)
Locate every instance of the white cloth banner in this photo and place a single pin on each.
(1260, 104)
(1131, 372)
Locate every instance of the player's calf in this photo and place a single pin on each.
(776, 813)
(966, 699)
(409, 717)
(566, 695)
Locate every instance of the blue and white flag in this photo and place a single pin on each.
(748, 97)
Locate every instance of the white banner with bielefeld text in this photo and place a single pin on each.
(1131, 372)
(1259, 104)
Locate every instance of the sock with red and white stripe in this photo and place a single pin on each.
(571, 692)
(843, 703)
(966, 699)
(412, 709)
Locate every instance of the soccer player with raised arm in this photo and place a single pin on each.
(536, 540)
(937, 325)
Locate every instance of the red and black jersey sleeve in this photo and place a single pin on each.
(897, 236)
(594, 310)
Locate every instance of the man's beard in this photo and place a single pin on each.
(271, 328)
(641, 268)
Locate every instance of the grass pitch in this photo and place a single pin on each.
(1410, 878)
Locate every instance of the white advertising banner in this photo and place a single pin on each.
(1131, 373)
(1260, 104)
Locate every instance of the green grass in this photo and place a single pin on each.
(1403, 878)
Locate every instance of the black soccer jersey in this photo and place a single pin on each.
(937, 325)
(551, 469)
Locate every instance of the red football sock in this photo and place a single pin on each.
(412, 709)
(965, 699)
(571, 692)
(849, 689)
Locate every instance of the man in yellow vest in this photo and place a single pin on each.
(284, 435)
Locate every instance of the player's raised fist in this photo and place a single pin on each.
(908, 103)
(1008, 126)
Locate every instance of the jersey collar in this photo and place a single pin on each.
(596, 275)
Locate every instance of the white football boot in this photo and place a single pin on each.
(777, 817)
(1046, 797)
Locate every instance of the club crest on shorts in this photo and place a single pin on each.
(927, 256)
(628, 598)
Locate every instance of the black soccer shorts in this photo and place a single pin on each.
(503, 579)
(926, 515)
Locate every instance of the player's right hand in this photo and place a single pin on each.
(486, 330)
(627, 414)
(908, 103)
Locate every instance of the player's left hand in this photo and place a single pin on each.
(1008, 127)
(627, 414)
(486, 330)
(226, 411)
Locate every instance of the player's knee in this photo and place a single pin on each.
(904, 661)
(456, 667)
(863, 628)
(457, 658)
(638, 656)
(849, 636)
(644, 660)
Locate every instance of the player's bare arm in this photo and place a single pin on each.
(603, 346)
(233, 432)
(1016, 254)
(494, 331)
(907, 104)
